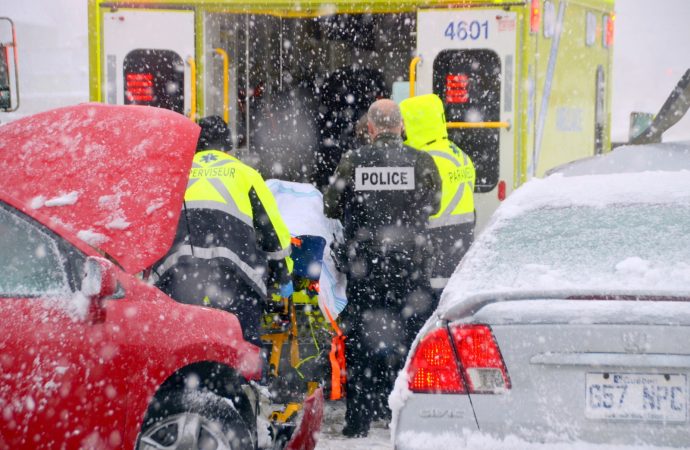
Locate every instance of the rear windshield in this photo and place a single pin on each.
(644, 246)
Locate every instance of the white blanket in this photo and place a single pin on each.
(301, 206)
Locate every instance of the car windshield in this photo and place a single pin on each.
(617, 247)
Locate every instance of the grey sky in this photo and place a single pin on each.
(650, 55)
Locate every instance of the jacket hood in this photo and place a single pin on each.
(424, 119)
(113, 176)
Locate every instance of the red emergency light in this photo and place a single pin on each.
(608, 30)
(535, 16)
(139, 87)
(456, 88)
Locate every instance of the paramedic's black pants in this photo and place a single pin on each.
(385, 310)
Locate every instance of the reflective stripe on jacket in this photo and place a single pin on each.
(231, 214)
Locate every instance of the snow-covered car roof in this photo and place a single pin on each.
(621, 232)
(113, 176)
(671, 156)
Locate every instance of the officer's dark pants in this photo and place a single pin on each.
(212, 283)
(451, 243)
(387, 305)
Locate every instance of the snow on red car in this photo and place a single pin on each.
(91, 356)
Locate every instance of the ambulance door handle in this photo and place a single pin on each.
(413, 74)
(192, 98)
(505, 125)
(226, 84)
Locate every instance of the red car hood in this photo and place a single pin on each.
(115, 176)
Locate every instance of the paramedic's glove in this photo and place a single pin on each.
(286, 289)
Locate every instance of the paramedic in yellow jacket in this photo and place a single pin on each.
(452, 227)
(231, 241)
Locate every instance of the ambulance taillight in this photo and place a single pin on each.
(9, 72)
(535, 16)
(608, 30)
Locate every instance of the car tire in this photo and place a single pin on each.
(194, 419)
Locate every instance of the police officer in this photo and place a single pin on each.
(452, 227)
(231, 242)
(383, 193)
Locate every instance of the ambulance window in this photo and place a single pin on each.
(469, 83)
(154, 78)
(591, 29)
(549, 19)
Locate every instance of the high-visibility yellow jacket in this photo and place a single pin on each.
(425, 127)
(231, 214)
(453, 224)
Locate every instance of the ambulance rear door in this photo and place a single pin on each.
(146, 57)
(468, 58)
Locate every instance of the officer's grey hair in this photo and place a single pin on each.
(385, 115)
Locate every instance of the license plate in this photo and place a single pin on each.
(636, 396)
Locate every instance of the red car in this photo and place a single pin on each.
(91, 356)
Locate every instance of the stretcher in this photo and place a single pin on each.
(304, 347)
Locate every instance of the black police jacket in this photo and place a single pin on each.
(383, 193)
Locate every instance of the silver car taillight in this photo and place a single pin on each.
(480, 359)
(434, 366)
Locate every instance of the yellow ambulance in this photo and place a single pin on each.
(526, 84)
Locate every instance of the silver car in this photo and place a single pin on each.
(569, 318)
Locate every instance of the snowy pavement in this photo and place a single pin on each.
(331, 437)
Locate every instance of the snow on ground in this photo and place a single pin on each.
(331, 437)
(476, 440)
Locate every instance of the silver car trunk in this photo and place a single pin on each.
(595, 370)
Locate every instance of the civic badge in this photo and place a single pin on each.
(635, 342)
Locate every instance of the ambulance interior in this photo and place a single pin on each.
(299, 85)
